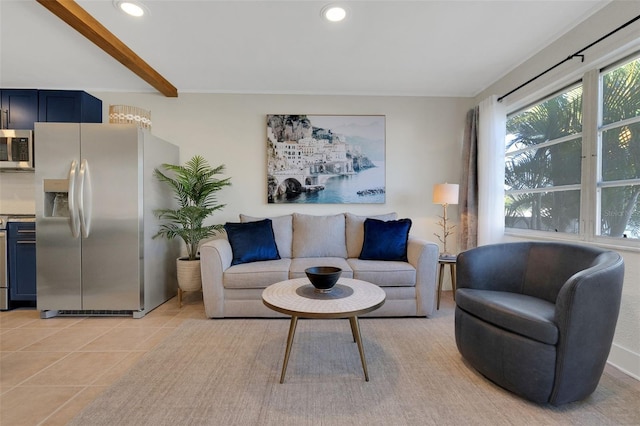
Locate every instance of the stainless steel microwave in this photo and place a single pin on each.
(16, 149)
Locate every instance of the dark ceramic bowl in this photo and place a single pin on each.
(323, 278)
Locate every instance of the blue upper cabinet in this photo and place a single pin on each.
(19, 108)
(68, 106)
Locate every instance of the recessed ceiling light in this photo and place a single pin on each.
(131, 7)
(333, 13)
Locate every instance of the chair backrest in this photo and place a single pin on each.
(550, 265)
(537, 269)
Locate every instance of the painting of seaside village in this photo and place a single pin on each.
(326, 159)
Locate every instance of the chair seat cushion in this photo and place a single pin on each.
(525, 315)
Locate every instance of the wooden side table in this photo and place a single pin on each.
(452, 267)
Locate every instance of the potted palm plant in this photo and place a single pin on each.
(194, 186)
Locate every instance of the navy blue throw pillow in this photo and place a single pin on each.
(385, 240)
(252, 241)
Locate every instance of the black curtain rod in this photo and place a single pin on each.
(578, 54)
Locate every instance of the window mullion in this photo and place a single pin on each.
(590, 122)
(621, 123)
(544, 189)
(546, 144)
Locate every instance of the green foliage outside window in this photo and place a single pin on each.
(544, 157)
(620, 212)
(541, 153)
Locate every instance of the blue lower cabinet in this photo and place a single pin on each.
(21, 238)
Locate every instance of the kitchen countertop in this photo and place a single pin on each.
(15, 217)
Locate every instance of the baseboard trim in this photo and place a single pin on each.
(625, 360)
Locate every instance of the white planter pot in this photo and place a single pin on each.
(188, 271)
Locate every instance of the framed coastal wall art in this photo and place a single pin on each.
(326, 159)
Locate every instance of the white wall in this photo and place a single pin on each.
(625, 353)
(423, 145)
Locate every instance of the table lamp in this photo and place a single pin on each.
(445, 194)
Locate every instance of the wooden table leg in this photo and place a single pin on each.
(353, 331)
(356, 331)
(292, 332)
(440, 283)
(453, 279)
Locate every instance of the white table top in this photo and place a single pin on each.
(296, 297)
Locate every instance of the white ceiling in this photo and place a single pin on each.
(430, 48)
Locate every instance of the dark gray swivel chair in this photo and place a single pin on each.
(538, 318)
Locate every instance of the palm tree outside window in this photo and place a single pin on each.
(543, 164)
(619, 172)
(545, 153)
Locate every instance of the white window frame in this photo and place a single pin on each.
(590, 185)
(599, 184)
(578, 186)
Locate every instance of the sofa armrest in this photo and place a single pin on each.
(423, 255)
(215, 258)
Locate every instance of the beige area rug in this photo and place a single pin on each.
(226, 372)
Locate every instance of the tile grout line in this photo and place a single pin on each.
(160, 328)
(53, 364)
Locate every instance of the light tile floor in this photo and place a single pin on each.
(52, 368)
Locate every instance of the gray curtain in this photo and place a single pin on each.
(468, 202)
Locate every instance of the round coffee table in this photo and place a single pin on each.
(348, 299)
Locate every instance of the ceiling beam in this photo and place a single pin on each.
(71, 13)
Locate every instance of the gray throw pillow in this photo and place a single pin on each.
(319, 236)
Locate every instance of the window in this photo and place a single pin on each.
(572, 160)
(543, 165)
(619, 153)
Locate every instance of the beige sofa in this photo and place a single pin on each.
(307, 240)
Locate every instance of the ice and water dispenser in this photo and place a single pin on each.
(56, 198)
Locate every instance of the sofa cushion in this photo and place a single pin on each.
(385, 240)
(282, 231)
(525, 315)
(384, 273)
(251, 241)
(319, 236)
(298, 265)
(257, 274)
(355, 231)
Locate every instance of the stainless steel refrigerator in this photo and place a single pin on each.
(95, 196)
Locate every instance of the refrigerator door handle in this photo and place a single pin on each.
(84, 199)
(74, 221)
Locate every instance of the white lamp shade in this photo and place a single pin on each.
(445, 193)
